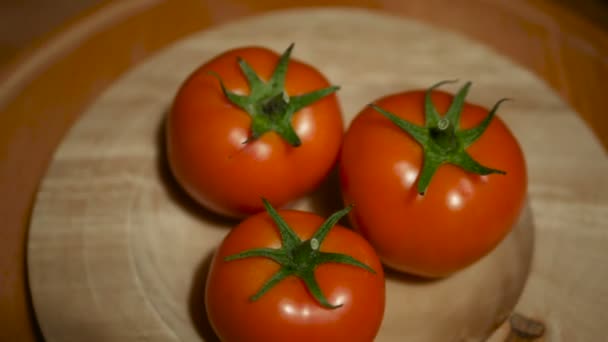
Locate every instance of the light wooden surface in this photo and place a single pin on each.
(117, 252)
(45, 86)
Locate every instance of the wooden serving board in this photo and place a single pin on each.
(118, 252)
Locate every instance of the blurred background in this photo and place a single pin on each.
(25, 21)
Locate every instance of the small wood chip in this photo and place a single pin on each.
(525, 327)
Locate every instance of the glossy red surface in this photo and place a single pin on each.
(288, 312)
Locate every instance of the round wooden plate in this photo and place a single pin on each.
(118, 252)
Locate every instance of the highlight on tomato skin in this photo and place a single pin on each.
(286, 275)
(437, 182)
(250, 123)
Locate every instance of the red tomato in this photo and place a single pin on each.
(288, 310)
(462, 216)
(275, 135)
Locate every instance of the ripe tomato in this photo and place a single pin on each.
(463, 215)
(249, 123)
(277, 276)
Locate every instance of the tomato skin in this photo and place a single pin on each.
(288, 312)
(462, 216)
(205, 135)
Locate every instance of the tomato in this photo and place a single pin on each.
(277, 276)
(250, 124)
(435, 209)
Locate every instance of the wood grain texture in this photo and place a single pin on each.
(118, 252)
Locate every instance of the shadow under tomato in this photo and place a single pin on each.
(392, 274)
(196, 301)
(327, 198)
(176, 193)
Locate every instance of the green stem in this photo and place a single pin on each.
(300, 258)
(268, 104)
(441, 139)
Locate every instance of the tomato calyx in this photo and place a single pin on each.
(300, 258)
(441, 138)
(268, 104)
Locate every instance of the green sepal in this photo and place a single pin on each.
(338, 258)
(300, 258)
(313, 287)
(289, 238)
(268, 104)
(442, 140)
(270, 283)
(469, 136)
(431, 116)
